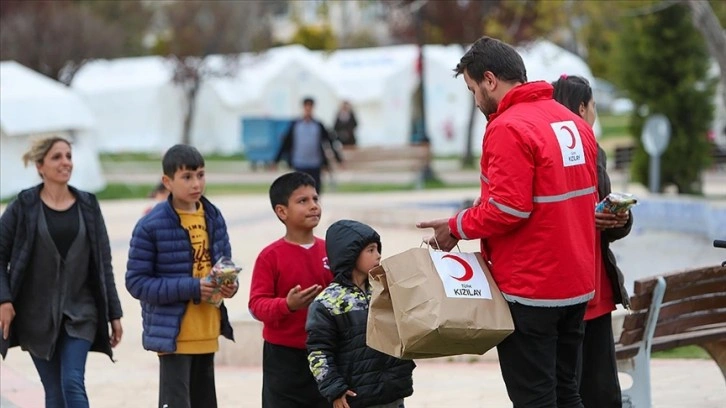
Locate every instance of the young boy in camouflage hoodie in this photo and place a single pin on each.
(349, 373)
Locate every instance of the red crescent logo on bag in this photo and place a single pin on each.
(572, 137)
(468, 271)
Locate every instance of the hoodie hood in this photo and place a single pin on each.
(344, 241)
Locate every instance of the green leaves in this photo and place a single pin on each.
(663, 67)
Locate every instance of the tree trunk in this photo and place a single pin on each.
(468, 160)
(707, 23)
(191, 107)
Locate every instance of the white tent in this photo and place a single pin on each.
(380, 84)
(136, 105)
(718, 126)
(268, 85)
(33, 105)
(448, 101)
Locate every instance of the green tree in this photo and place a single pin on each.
(315, 37)
(663, 67)
(194, 30)
(56, 38)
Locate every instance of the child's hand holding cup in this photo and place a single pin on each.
(223, 278)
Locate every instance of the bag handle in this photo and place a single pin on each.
(428, 246)
(376, 273)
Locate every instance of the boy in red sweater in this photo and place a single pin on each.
(287, 276)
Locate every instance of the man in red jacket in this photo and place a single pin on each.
(535, 220)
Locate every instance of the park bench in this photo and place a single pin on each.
(718, 156)
(409, 158)
(678, 309)
(624, 156)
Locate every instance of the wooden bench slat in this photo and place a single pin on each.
(387, 159)
(685, 290)
(678, 308)
(692, 321)
(675, 279)
(384, 167)
(381, 156)
(638, 321)
(672, 341)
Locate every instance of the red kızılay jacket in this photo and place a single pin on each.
(536, 219)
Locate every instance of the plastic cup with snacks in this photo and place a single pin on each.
(616, 203)
(224, 272)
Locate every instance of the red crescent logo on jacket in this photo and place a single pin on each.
(468, 271)
(572, 137)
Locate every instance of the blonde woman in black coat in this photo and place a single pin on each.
(58, 298)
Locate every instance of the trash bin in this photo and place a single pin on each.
(262, 137)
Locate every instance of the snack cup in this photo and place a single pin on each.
(224, 272)
(616, 203)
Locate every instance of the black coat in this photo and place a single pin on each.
(613, 234)
(336, 327)
(18, 229)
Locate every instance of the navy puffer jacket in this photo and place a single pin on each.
(159, 271)
(336, 327)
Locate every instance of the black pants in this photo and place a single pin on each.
(539, 360)
(315, 173)
(599, 384)
(287, 381)
(187, 381)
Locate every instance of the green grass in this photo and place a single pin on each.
(683, 352)
(115, 191)
(615, 133)
(615, 125)
(156, 158)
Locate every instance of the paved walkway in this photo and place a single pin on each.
(133, 381)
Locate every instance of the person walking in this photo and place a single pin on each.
(58, 296)
(345, 124)
(305, 143)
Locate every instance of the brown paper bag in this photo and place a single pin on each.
(429, 304)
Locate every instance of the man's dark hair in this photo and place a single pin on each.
(308, 100)
(572, 91)
(181, 156)
(490, 54)
(283, 186)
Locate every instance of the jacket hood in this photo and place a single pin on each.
(527, 92)
(344, 241)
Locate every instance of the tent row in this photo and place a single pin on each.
(139, 108)
(133, 105)
(32, 105)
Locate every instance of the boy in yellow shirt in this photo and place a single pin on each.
(172, 250)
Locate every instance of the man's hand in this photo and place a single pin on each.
(622, 219)
(116, 332)
(229, 290)
(605, 221)
(7, 314)
(442, 238)
(206, 288)
(297, 298)
(342, 402)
